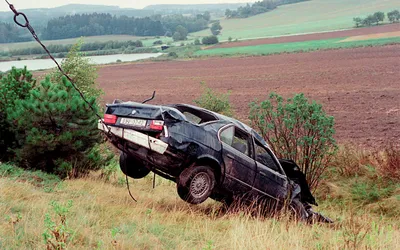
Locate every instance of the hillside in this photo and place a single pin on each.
(200, 7)
(218, 8)
(39, 17)
(103, 216)
(305, 17)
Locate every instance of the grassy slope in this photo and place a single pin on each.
(305, 17)
(103, 216)
(267, 49)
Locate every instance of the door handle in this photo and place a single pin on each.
(230, 156)
(263, 174)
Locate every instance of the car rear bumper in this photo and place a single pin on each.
(135, 137)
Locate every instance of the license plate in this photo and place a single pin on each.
(133, 122)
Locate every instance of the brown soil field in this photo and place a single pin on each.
(360, 87)
(372, 36)
(317, 36)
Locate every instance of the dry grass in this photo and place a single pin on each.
(104, 217)
(351, 161)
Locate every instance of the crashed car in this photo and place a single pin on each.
(205, 153)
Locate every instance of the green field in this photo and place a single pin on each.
(147, 41)
(306, 17)
(91, 39)
(267, 49)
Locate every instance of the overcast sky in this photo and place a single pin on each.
(24, 4)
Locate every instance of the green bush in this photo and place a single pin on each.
(297, 129)
(214, 101)
(57, 234)
(15, 85)
(208, 40)
(173, 54)
(80, 70)
(56, 130)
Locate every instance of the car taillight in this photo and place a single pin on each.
(157, 125)
(110, 119)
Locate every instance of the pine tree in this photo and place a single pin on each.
(56, 128)
(15, 85)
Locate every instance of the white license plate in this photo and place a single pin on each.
(133, 122)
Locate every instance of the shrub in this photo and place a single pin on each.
(15, 85)
(138, 43)
(57, 233)
(197, 42)
(388, 161)
(214, 101)
(297, 129)
(349, 161)
(158, 42)
(80, 70)
(173, 54)
(56, 130)
(208, 40)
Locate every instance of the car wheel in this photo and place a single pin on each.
(196, 184)
(298, 210)
(132, 167)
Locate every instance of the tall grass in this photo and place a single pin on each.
(103, 216)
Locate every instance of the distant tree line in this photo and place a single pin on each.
(97, 24)
(258, 7)
(376, 18)
(105, 24)
(9, 33)
(130, 46)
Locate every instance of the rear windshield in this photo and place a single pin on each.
(196, 116)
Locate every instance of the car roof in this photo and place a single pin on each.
(219, 117)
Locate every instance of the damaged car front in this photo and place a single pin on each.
(205, 153)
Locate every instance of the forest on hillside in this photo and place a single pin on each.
(98, 24)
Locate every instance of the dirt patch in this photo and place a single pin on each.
(317, 36)
(359, 87)
(372, 36)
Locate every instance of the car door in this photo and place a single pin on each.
(237, 152)
(270, 178)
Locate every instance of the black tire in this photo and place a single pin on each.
(298, 210)
(132, 167)
(195, 184)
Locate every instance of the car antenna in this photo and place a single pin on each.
(151, 98)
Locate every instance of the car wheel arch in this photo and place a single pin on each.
(207, 160)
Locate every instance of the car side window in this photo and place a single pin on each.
(264, 157)
(227, 135)
(237, 139)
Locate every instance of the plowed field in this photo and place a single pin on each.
(359, 87)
